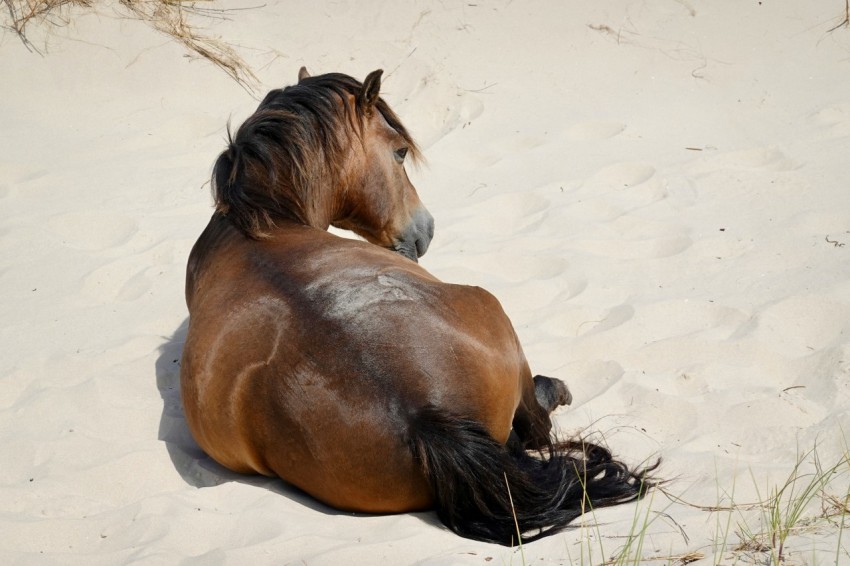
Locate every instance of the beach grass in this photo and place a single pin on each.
(813, 498)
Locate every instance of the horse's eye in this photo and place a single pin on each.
(400, 154)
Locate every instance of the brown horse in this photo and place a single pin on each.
(344, 367)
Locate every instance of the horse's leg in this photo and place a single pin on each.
(532, 424)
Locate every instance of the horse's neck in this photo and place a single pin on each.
(323, 206)
(218, 230)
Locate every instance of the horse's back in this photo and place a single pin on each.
(307, 357)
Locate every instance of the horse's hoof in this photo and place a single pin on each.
(551, 392)
(564, 395)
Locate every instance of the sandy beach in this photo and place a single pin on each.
(657, 192)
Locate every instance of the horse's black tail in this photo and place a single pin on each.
(488, 492)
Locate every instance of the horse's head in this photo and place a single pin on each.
(328, 151)
(378, 201)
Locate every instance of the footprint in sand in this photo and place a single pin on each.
(573, 283)
(835, 118)
(833, 223)
(582, 321)
(767, 159)
(681, 191)
(520, 267)
(622, 175)
(589, 131)
(123, 281)
(633, 238)
(588, 380)
(517, 144)
(722, 247)
(675, 319)
(616, 316)
(509, 213)
(626, 186)
(588, 211)
(118, 281)
(92, 230)
(609, 196)
(450, 109)
(526, 298)
(801, 325)
(827, 376)
(16, 175)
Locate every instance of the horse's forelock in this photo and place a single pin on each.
(330, 89)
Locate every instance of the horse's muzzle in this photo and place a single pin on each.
(414, 241)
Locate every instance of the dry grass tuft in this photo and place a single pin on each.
(169, 17)
(833, 506)
(51, 12)
(166, 16)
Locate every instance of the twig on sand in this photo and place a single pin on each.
(681, 559)
(846, 21)
(835, 243)
(711, 508)
(603, 28)
(166, 16)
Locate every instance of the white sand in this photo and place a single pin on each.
(652, 189)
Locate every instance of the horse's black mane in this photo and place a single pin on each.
(292, 145)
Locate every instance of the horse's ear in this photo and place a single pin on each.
(303, 74)
(371, 91)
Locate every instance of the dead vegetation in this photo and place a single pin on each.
(22, 13)
(846, 21)
(170, 17)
